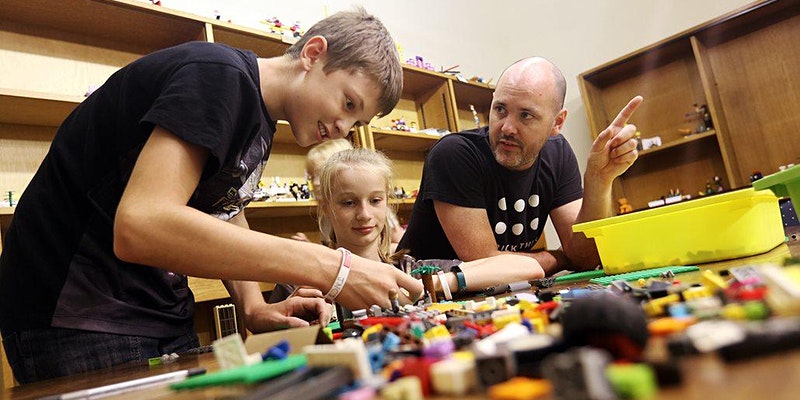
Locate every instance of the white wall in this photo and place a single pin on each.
(483, 37)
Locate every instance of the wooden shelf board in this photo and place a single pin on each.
(125, 23)
(406, 141)
(263, 43)
(675, 143)
(31, 108)
(269, 209)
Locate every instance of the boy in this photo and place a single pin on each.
(141, 179)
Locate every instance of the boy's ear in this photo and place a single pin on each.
(314, 51)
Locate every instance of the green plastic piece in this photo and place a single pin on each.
(246, 374)
(426, 270)
(633, 381)
(577, 276)
(785, 183)
(643, 274)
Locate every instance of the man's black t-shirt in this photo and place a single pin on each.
(58, 267)
(460, 169)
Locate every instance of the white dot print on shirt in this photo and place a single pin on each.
(500, 228)
(535, 224)
(501, 204)
(533, 201)
(516, 229)
(519, 205)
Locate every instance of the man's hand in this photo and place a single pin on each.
(614, 150)
(293, 312)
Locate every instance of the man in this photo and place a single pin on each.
(145, 183)
(487, 192)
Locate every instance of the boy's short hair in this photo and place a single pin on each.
(358, 41)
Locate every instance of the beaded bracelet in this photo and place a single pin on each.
(341, 278)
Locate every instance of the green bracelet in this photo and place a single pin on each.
(462, 282)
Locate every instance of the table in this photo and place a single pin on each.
(705, 376)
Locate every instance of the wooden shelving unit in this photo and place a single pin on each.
(53, 52)
(742, 66)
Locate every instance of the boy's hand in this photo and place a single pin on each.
(305, 291)
(614, 150)
(294, 312)
(369, 284)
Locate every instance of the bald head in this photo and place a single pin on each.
(533, 72)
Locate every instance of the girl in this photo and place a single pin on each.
(315, 160)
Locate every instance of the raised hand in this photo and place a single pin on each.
(614, 150)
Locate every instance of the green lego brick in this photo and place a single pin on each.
(643, 274)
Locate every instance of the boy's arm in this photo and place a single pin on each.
(154, 226)
(471, 236)
(259, 316)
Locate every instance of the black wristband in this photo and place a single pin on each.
(462, 282)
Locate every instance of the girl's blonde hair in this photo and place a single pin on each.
(378, 164)
(319, 154)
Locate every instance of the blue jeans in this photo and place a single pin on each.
(38, 354)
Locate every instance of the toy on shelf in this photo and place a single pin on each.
(475, 116)
(756, 176)
(399, 124)
(649, 143)
(479, 79)
(10, 201)
(419, 62)
(276, 26)
(718, 184)
(624, 206)
(702, 114)
(400, 193)
(638, 137)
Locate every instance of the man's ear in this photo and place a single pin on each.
(558, 122)
(314, 51)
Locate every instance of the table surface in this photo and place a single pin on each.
(704, 377)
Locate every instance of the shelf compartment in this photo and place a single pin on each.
(687, 167)
(263, 43)
(403, 141)
(476, 94)
(424, 102)
(680, 142)
(78, 47)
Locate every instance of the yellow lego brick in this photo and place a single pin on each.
(713, 280)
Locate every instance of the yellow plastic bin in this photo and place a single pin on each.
(718, 227)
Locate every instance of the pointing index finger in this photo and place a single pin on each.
(627, 111)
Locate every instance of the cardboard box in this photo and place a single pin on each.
(717, 227)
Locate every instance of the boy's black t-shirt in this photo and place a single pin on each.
(58, 267)
(460, 169)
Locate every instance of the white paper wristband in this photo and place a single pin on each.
(341, 278)
(448, 295)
